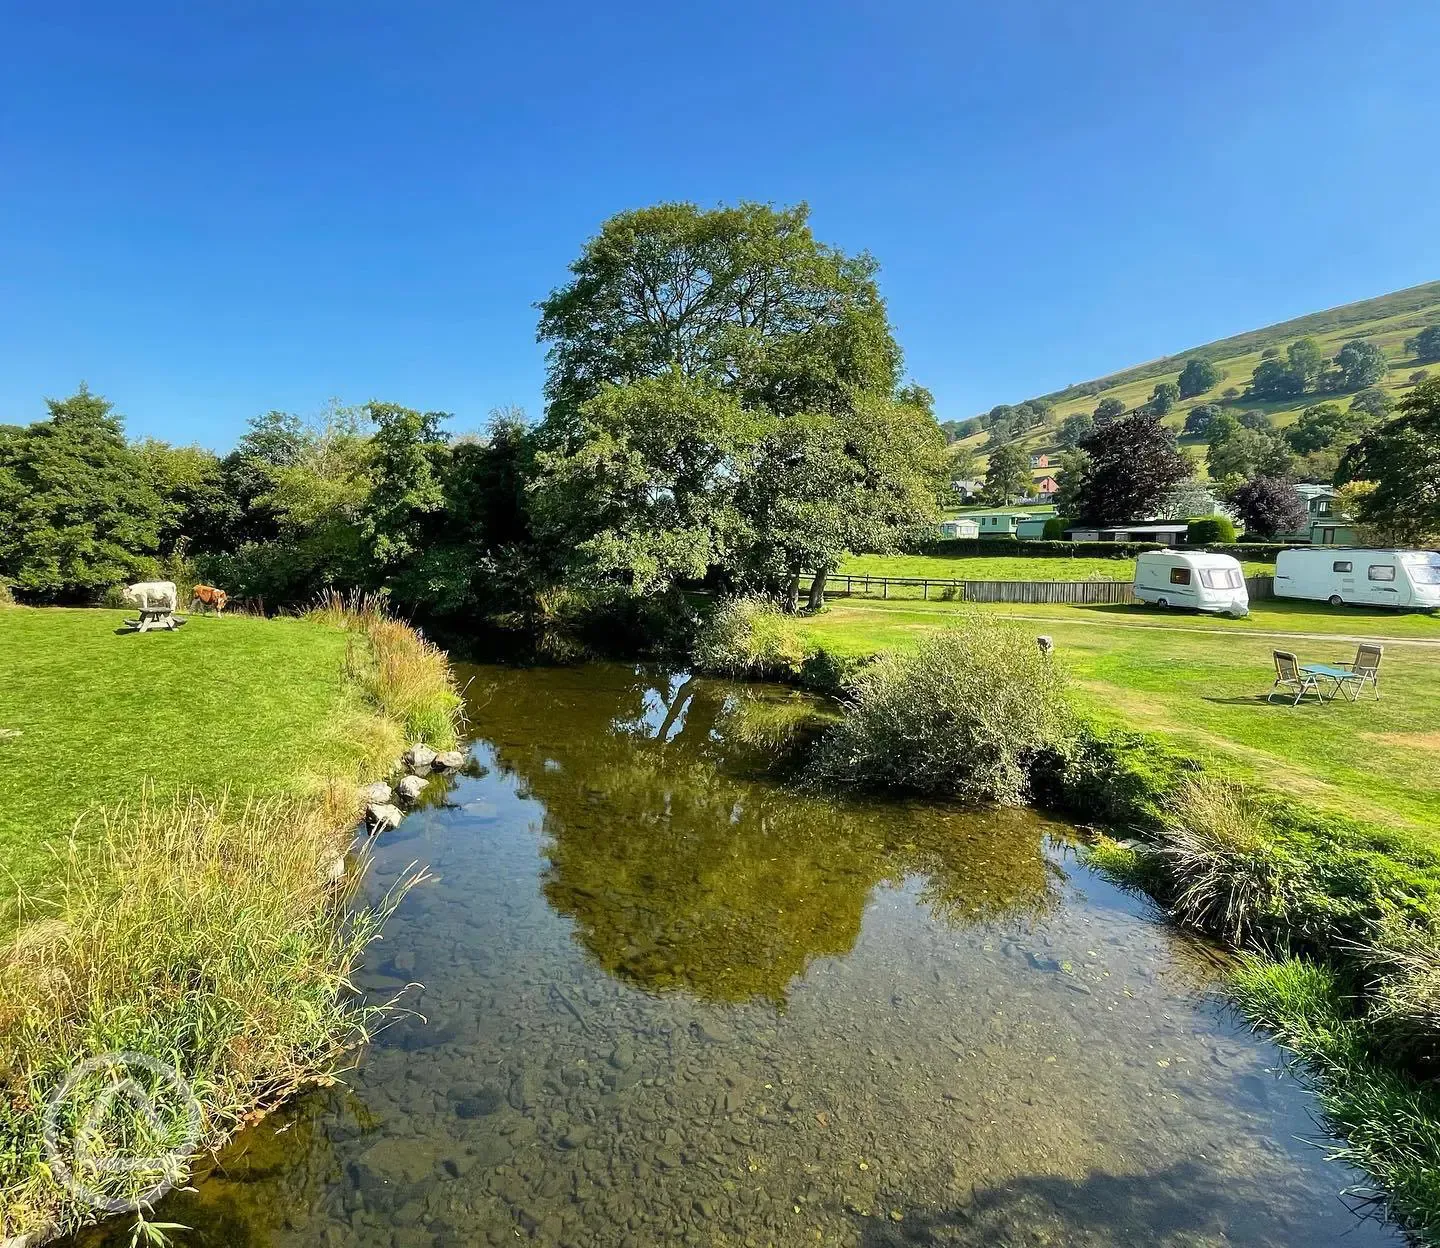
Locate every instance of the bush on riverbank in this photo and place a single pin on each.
(200, 934)
(748, 636)
(965, 715)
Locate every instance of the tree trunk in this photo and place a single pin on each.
(792, 593)
(817, 589)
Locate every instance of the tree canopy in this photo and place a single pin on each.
(1268, 507)
(742, 299)
(1197, 377)
(1007, 476)
(81, 510)
(1132, 466)
(1401, 459)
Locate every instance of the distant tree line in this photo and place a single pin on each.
(724, 406)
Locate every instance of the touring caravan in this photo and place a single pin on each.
(1372, 578)
(1194, 579)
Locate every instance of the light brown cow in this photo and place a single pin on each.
(208, 596)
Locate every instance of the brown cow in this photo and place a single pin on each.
(208, 596)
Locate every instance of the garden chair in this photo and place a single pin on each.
(1291, 678)
(1365, 670)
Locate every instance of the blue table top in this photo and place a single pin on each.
(1324, 669)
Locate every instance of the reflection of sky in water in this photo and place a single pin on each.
(666, 1003)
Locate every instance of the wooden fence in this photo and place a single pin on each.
(1078, 593)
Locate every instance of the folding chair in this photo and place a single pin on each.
(1365, 670)
(1290, 679)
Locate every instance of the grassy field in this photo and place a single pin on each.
(88, 716)
(1004, 567)
(1386, 321)
(1200, 682)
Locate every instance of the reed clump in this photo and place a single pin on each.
(214, 937)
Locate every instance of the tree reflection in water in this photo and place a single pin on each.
(683, 869)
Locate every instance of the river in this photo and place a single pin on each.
(669, 1000)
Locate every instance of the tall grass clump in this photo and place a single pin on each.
(210, 937)
(966, 714)
(7, 598)
(748, 636)
(404, 674)
(1387, 1120)
(1228, 873)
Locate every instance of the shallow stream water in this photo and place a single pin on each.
(669, 1001)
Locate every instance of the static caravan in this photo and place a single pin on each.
(1384, 578)
(1194, 579)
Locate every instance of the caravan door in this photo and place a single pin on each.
(1341, 580)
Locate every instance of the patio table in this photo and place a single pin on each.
(1341, 676)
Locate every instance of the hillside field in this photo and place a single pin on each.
(1387, 321)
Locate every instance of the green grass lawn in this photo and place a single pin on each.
(88, 716)
(1200, 682)
(1005, 567)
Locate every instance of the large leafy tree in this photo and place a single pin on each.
(1197, 377)
(723, 396)
(1401, 458)
(742, 299)
(79, 510)
(1360, 364)
(1426, 344)
(824, 483)
(1007, 475)
(1163, 397)
(1306, 362)
(1248, 452)
(407, 450)
(1268, 506)
(1134, 464)
(1074, 429)
(644, 488)
(1108, 410)
(1324, 425)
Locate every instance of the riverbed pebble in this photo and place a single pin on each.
(410, 788)
(379, 793)
(449, 760)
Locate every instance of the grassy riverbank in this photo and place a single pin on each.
(186, 920)
(1199, 684)
(1305, 836)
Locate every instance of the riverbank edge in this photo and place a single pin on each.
(1334, 919)
(403, 688)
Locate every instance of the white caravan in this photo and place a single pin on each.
(1194, 579)
(1372, 578)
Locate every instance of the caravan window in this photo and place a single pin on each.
(1221, 578)
(1179, 576)
(1424, 572)
(1342, 565)
(1382, 571)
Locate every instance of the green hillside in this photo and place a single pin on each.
(1387, 322)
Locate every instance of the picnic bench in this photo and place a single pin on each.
(154, 617)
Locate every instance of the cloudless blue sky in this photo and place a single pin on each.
(211, 209)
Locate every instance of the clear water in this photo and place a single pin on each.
(667, 1001)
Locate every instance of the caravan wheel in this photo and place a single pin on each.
(1162, 602)
(1336, 600)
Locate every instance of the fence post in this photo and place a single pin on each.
(885, 587)
(926, 592)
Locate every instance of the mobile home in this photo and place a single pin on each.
(1194, 579)
(1337, 575)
